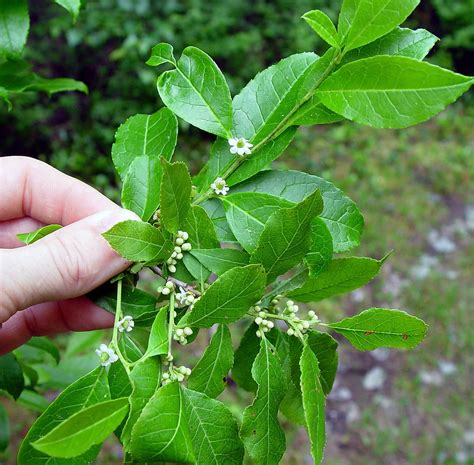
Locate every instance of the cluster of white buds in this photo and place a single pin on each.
(180, 246)
(126, 324)
(240, 146)
(264, 325)
(176, 374)
(299, 325)
(186, 297)
(181, 335)
(156, 215)
(106, 354)
(276, 300)
(167, 359)
(167, 289)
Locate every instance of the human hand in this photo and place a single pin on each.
(42, 285)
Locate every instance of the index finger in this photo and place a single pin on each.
(31, 188)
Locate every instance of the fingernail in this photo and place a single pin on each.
(109, 218)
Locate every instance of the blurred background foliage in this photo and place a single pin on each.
(415, 188)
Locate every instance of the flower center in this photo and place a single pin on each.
(241, 143)
(220, 184)
(104, 357)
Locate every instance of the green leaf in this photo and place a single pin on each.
(161, 432)
(14, 26)
(313, 403)
(52, 86)
(314, 112)
(202, 235)
(210, 373)
(213, 431)
(401, 41)
(175, 195)
(145, 378)
(73, 6)
(221, 159)
(391, 91)
(273, 94)
(220, 260)
(325, 348)
(321, 250)
(340, 213)
(321, 23)
(160, 54)
(342, 275)
(135, 302)
(228, 298)
(292, 405)
(86, 428)
(261, 432)
(152, 135)
(244, 357)
(11, 375)
(197, 92)
(286, 237)
(158, 341)
(29, 238)
(86, 391)
(4, 429)
(138, 242)
(119, 381)
(381, 327)
(247, 214)
(216, 212)
(361, 22)
(46, 345)
(141, 187)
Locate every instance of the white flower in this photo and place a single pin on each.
(106, 355)
(126, 324)
(240, 146)
(220, 187)
(181, 297)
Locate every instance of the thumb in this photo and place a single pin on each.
(68, 263)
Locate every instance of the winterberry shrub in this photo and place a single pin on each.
(241, 240)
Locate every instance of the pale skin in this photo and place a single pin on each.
(42, 286)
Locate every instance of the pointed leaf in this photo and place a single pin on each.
(14, 25)
(144, 135)
(313, 403)
(247, 214)
(216, 212)
(391, 91)
(145, 378)
(321, 23)
(78, 433)
(161, 432)
(161, 53)
(228, 298)
(220, 260)
(361, 22)
(213, 430)
(342, 275)
(401, 41)
(197, 92)
(175, 195)
(86, 391)
(261, 432)
(286, 237)
(209, 376)
(31, 237)
(138, 242)
(141, 187)
(340, 213)
(46, 345)
(119, 382)
(381, 327)
(73, 6)
(158, 341)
